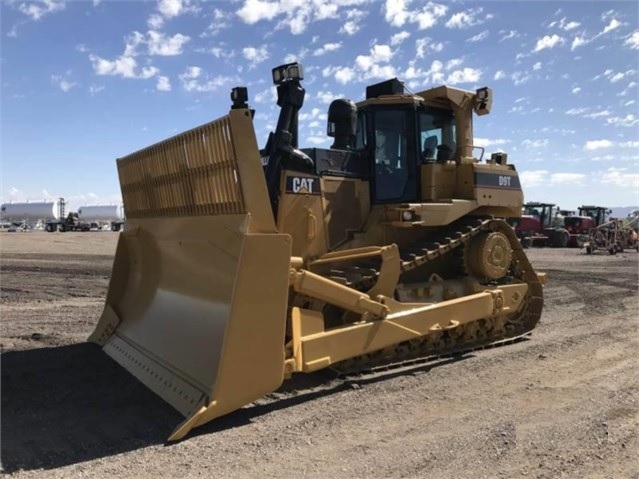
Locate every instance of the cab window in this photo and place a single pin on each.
(437, 134)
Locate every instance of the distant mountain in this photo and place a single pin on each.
(622, 211)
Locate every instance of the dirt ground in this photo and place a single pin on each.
(562, 404)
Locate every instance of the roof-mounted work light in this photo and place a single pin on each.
(290, 71)
(484, 100)
(239, 97)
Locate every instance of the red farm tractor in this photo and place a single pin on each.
(541, 224)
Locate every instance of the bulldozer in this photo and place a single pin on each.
(239, 267)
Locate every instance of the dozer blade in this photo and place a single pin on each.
(196, 307)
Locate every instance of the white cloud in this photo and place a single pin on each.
(577, 42)
(454, 62)
(95, 89)
(564, 24)
(581, 40)
(62, 83)
(354, 19)
(567, 178)
(466, 75)
(548, 41)
(155, 21)
(617, 77)
(163, 84)
(507, 35)
(344, 75)
(371, 65)
(328, 47)
(397, 14)
(132, 42)
(314, 114)
(499, 75)
(540, 143)
(537, 66)
(597, 114)
(124, 66)
(576, 90)
(633, 40)
(486, 142)
(424, 46)
(255, 55)
(191, 72)
(191, 80)
(571, 25)
(219, 52)
(532, 178)
(603, 158)
(519, 78)
(597, 144)
(159, 44)
(297, 14)
(620, 177)
(479, 37)
(627, 121)
(466, 19)
(220, 21)
(266, 96)
(327, 97)
(629, 144)
(254, 11)
(350, 28)
(613, 25)
(399, 38)
(37, 10)
(170, 8)
(576, 111)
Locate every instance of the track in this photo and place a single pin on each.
(417, 258)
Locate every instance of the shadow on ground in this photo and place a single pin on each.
(71, 404)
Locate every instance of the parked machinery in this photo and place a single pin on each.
(26, 214)
(541, 224)
(112, 215)
(231, 276)
(631, 230)
(580, 225)
(612, 236)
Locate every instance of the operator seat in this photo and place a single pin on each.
(429, 151)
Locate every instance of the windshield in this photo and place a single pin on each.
(437, 134)
(533, 210)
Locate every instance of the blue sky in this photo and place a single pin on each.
(84, 82)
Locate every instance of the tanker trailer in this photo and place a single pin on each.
(113, 215)
(49, 212)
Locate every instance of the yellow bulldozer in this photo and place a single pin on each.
(240, 267)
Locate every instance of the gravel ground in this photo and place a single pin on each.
(562, 404)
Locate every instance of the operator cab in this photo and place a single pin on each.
(396, 139)
(394, 134)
